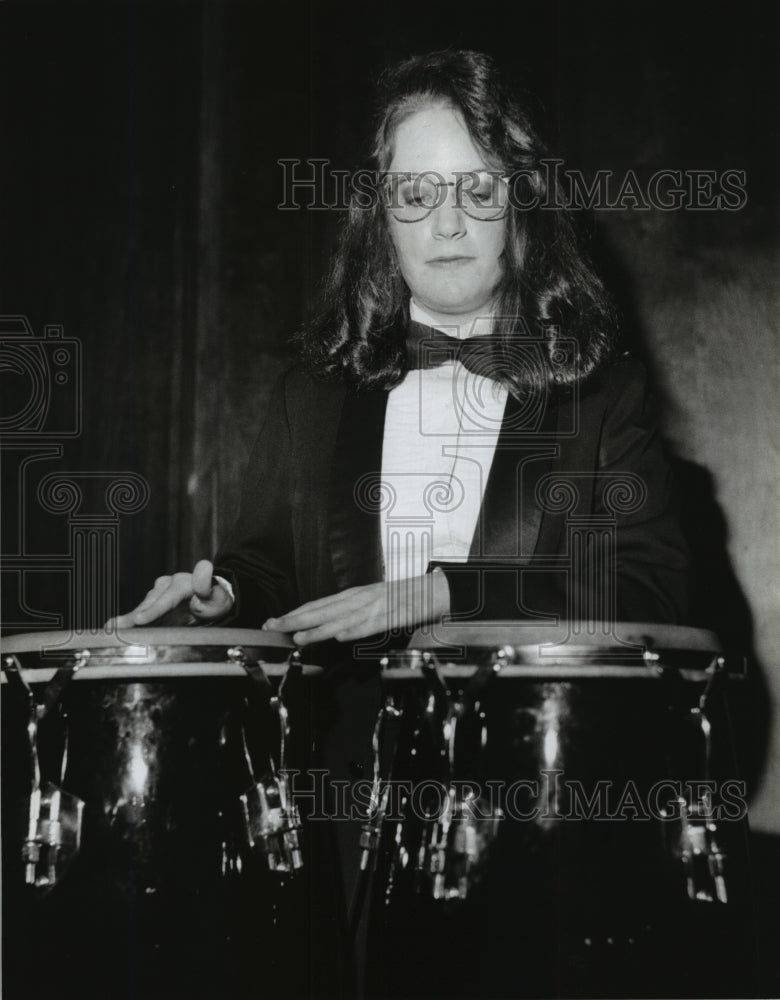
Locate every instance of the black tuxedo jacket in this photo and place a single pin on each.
(574, 474)
(578, 517)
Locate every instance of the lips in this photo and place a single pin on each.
(450, 260)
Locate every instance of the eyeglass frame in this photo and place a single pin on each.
(439, 184)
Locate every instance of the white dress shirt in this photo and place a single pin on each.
(441, 429)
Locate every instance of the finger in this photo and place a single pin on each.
(149, 609)
(178, 591)
(217, 604)
(297, 619)
(318, 634)
(360, 622)
(379, 615)
(120, 621)
(303, 619)
(360, 630)
(322, 603)
(160, 586)
(338, 598)
(358, 626)
(123, 621)
(127, 620)
(317, 612)
(203, 579)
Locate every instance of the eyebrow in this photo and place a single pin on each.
(404, 174)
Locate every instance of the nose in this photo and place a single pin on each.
(449, 221)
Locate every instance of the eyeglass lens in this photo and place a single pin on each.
(481, 195)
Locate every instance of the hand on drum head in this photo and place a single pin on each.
(208, 599)
(365, 611)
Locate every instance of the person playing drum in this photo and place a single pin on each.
(462, 419)
(462, 436)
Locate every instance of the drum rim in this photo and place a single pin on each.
(151, 673)
(554, 674)
(182, 635)
(633, 651)
(152, 655)
(528, 636)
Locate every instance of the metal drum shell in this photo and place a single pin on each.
(164, 897)
(565, 905)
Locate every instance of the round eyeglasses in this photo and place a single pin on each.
(481, 194)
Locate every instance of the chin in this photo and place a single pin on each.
(454, 301)
(456, 308)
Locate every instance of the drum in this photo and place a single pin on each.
(557, 814)
(154, 844)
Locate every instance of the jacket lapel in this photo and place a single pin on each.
(510, 518)
(355, 491)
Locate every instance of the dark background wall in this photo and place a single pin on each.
(140, 187)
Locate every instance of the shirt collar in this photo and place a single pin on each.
(479, 328)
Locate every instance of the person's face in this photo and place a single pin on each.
(450, 261)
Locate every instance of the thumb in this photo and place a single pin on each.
(203, 579)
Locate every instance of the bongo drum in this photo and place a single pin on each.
(557, 813)
(153, 845)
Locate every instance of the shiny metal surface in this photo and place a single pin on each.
(146, 653)
(632, 651)
(586, 889)
(573, 635)
(161, 893)
(171, 637)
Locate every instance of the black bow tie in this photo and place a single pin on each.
(427, 347)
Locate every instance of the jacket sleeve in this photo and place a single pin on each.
(258, 555)
(652, 560)
(629, 560)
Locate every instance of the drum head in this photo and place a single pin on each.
(520, 649)
(150, 653)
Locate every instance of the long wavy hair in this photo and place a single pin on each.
(549, 291)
